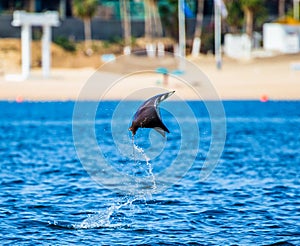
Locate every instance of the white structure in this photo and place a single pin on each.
(281, 37)
(160, 49)
(151, 49)
(26, 21)
(127, 50)
(237, 46)
(196, 47)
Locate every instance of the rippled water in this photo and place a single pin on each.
(251, 198)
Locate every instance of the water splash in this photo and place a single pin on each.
(148, 163)
(102, 219)
(105, 218)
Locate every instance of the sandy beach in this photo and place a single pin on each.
(274, 78)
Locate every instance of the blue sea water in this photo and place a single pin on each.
(252, 197)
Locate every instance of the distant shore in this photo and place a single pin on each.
(274, 78)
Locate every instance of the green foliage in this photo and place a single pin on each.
(85, 8)
(37, 33)
(261, 14)
(168, 10)
(235, 16)
(208, 41)
(169, 17)
(65, 43)
(116, 40)
(252, 5)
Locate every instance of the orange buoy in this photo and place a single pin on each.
(264, 98)
(19, 99)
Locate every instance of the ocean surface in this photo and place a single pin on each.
(50, 195)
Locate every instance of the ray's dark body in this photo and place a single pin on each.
(148, 115)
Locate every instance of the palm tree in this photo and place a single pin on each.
(125, 12)
(31, 5)
(153, 26)
(199, 19)
(148, 20)
(198, 28)
(250, 7)
(85, 10)
(281, 8)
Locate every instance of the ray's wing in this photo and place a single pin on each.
(160, 131)
(158, 99)
(154, 102)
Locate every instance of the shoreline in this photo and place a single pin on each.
(272, 79)
(138, 100)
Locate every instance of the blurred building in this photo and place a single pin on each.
(107, 22)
